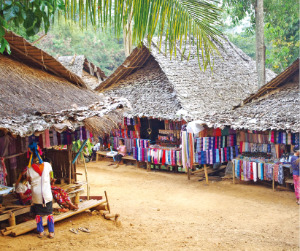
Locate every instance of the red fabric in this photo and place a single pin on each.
(41, 140)
(58, 139)
(241, 146)
(38, 218)
(218, 132)
(296, 179)
(38, 168)
(4, 170)
(272, 137)
(251, 171)
(163, 161)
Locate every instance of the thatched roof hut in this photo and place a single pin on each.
(188, 92)
(275, 106)
(38, 93)
(87, 71)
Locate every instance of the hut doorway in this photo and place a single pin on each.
(155, 125)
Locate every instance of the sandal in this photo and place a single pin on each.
(41, 235)
(51, 235)
(84, 229)
(74, 231)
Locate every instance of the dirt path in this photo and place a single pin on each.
(163, 211)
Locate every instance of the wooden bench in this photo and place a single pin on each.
(102, 154)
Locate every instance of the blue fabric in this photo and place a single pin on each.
(40, 227)
(295, 166)
(50, 224)
(280, 175)
(217, 155)
(33, 148)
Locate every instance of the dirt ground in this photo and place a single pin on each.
(165, 211)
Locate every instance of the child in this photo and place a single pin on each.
(121, 152)
(23, 188)
(295, 164)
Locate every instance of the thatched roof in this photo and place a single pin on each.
(27, 53)
(149, 92)
(90, 74)
(34, 97)
(196, 95)
(275, 106)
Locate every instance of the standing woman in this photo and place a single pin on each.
(121, 152)
(295, 164)
(40, 174)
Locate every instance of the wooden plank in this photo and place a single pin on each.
(31, 225)
(16, 213)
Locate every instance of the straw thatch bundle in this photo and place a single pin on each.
(275, 106)
(188, 92)
(108, 121)
(27, 53)
(32, 100)
(79, 65)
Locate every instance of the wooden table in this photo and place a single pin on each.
(103, 154)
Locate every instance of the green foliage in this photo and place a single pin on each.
(101, 48)
(245, 41)
(281, 28)
(175, 19)
(31, 14)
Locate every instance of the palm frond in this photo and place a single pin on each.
(182, 22)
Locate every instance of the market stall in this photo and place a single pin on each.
(159, 147)
(42, 102)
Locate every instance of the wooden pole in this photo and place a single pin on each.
(80, 150)
(86, 179)
(189, 173)
(148, 167)
(233, 172)
(12, 219)
(108, 207)
(273, 182)
(206, 174)
(69, 148)
(77, 199)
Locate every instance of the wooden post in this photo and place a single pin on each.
(137, 164)
(189, 173)
(206, 175)
(273, 182)
(76, 199)
(86, 179)
(148, 167)
(97, 157)
(233, 172)
(69, 148)
(12, 219)
(106, 197)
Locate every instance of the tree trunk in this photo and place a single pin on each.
(127, 34)
(260, 45)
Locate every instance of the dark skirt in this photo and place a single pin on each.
(118, 157)
(39, 209)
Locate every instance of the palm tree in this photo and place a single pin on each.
(180, 22)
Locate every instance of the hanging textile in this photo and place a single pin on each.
(3, 172)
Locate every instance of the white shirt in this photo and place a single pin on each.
(40, 185)
(96, 147)
(22, 188)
